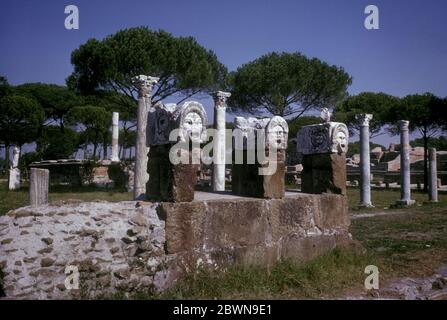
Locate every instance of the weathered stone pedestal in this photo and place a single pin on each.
(324, 173)
(39, 184)
(169, 182)
(259, 157)
(324, 161)
(247, 182)
(250, 231)
(174, 179)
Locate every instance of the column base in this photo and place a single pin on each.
(366, 205)
(405, 202)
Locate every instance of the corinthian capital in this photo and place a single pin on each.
(364, 119)
(144, 84)
(403, 125)
(220, 98)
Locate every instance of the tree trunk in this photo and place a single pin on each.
(95, 146)
(425, 161)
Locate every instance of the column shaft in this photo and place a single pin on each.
(405, 173)
(144, 85)
(115, 137)
(219, 148)
(365, 163)
(433, 185)
(365, 168)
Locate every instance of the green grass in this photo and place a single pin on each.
(325, 276)
(413, 241)
(14, 199)
(382, 199)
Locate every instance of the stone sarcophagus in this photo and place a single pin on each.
(173, 171)
(324, 148)
(259, 157)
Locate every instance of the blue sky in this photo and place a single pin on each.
(407, 55)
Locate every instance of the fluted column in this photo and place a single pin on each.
(405, 175)
(365, 164)
(144, 85)
(115, 136)
(219, 147)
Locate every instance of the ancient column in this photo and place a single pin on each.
(219, 148)
(115, 135)
(365, 166)
(405, 165)
(144, 85)
(14, 171)
(433, 185)
(38, 189)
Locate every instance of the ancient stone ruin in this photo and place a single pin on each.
(135, 246)
(169, 181)
(259, 144)
(324, 148)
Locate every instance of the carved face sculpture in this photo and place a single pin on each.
(277, 137)
(162, 124)
(342, 141)
(192, 125)
(318, 137)
(161, 127)
(340, 138)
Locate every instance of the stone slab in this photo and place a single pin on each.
(257, 230)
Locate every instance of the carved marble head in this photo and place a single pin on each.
(340, 136)
(190, 118)
(274, 130)
(159, 123)
(246, 131)
(277, 132)
(329, 137)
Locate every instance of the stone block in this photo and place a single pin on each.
(324, 173)
(247, 182)
(169, 182)
(252, 230)
(39, 184)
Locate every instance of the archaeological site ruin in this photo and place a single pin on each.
(149, 244)
(244, 151)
